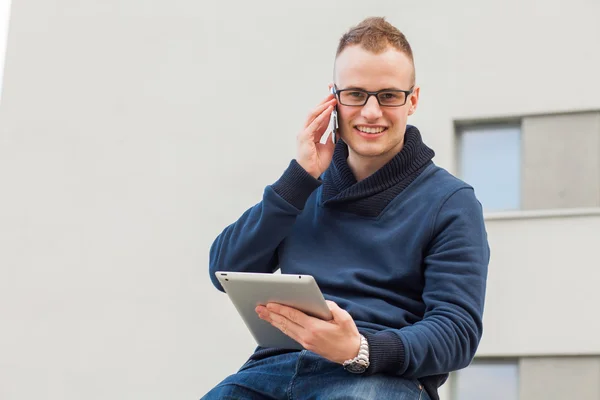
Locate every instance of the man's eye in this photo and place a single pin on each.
(389, 96)
(356, 95)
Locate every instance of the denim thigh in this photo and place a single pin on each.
(268, 378)
(305, 375)
(319, 379)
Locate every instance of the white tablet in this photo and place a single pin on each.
(248, 290)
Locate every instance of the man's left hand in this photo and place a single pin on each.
(337, 340)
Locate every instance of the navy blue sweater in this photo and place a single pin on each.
(404, 251)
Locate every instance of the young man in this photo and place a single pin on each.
(397, 245)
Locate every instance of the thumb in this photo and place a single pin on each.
(340, 315)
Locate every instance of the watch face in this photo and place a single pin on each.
(355, 368)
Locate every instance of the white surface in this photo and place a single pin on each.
(543, 287)
(123, 154)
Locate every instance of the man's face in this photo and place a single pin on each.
(358, 68)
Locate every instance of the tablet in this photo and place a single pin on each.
(247, 290)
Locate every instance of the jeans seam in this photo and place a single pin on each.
(290, 391)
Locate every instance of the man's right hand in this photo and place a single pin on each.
(312, 155)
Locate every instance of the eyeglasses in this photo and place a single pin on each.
(359, 97)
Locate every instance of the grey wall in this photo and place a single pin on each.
(559, 378)
(132, 132)
(544, 271)
(561, 161)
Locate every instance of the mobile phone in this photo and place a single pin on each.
(334, 125)
(334, 121)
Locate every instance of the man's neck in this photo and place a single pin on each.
(362, 167)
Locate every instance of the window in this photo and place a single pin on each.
(4, 16)
(490, 161)
(489, 380)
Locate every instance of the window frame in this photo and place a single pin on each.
(470, 125)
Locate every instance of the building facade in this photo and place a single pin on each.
(132, 132)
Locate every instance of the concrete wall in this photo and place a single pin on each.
(559, 378)
(561, 161)
(132, 132)
(543, 285)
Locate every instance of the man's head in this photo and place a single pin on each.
(374, 56)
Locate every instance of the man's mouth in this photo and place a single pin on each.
(370, 129)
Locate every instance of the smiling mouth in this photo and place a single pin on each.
(370, 130)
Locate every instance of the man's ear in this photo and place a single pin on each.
(414, 100)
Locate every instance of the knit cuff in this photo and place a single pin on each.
(386, 352)
(296, 185)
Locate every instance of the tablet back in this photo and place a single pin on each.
(248, 290)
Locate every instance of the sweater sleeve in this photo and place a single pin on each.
(455, 272)
(250, 244)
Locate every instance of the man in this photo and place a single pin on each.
(397, 245)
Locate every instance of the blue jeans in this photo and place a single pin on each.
(305, 375)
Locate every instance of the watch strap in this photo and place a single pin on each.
(360, 363)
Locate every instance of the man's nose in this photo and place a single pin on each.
(371, 110)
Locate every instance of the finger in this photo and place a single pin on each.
(296, 316)
(325, 148)
(330, 96)
(318, 110)
(262, 311)
(286, 326)
(333, 307)
(329, 101)
(320, 123)
(340, 316)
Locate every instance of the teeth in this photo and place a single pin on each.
(370, 130)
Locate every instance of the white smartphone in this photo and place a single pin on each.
(334, 125)
(334, 121)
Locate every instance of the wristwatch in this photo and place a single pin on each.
(360, 363)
